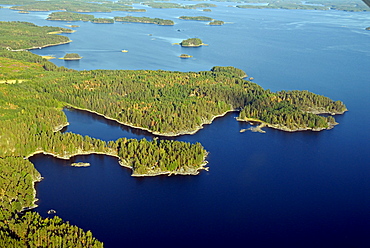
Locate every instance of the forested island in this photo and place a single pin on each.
(72, 56)
(192, 42)
(216, 23)
(157, 21)
(196, 18)
(69, 16)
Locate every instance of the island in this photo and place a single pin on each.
(70, 6)
(80, 164)
(149, 20)
(207, 10)
(192, 42)
(368, 28)
(185, 56)
(196, 18)
(216, 23)
(72, 56)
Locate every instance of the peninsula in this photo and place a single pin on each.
(25, 35)
(69, 16)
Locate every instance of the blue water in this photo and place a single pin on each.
(277, 189)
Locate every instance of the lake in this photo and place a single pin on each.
(278, 189)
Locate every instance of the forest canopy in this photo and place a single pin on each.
(25, 35)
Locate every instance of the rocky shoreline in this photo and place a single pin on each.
(181, 171)
(40, 47)
(281, 127)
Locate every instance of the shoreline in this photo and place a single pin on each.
(40, 47)
(185, 132)
(192, 172)
(283, 128)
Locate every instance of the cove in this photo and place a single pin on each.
(257, 184)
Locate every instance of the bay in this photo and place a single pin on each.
(277, 189)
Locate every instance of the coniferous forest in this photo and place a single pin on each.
(33, 93)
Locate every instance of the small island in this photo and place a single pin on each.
(196, 18)
(185, 56)
(72, 56)
(192, 42)
(216, 23)
(368, 28)
(158, 21)
(80, 164)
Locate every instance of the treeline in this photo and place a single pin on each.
(69, 16)
(203, 18)
(102, 20)
(196, 18)
(31, 230)
(25, 35)
(157, 21)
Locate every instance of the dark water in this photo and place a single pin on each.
(276, 189)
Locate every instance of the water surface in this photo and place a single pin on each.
(277, 189)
